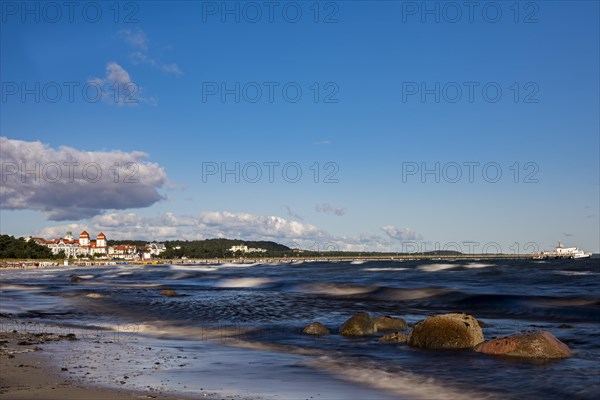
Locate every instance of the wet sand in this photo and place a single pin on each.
(30, 369)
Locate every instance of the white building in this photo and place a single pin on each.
(246, 249)
(123, 251)
(153, 249)
(77, 248)
(84, 247)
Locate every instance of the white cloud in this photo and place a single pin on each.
(117, 87)
(402, 235)
(140, 53)
(70, 184)
(244, 225)
(231, 225)
(327, 208)
(136, 38)
(127, 225)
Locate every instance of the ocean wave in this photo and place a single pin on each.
(384, 269)
(19, 287)
(387, 293)
(181, 275)
(200, 268)
(237, 265)
(576, 273)
(334, 289)
(436, 267)
(401, 383)
(243, 282)
(371, 374)
(478, 265)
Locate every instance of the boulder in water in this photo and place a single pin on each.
(358, 325)
(387, 323)
(75, 279)
(168, 292)
(536, 344)
(316, 328)
(446, 331)
(397, 337)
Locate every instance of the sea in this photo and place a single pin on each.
(236, 329)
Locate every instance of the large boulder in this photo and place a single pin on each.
(446, 331)
(168, 293)
(537, 344)
(397, 337)
(358, 325)
(387, 323)
(316, 328)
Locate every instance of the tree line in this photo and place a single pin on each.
(11, 247)
(219, 248)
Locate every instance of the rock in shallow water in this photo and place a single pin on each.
(358, 325)
(168, 292)
(397, 337)
(446, 331)
(387, 323)
(316, 328)
(537, 344)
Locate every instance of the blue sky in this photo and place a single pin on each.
(369, 62)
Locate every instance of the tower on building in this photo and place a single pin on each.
(84, 239)
(101, 240)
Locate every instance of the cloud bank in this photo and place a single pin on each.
(223, 224)
(70, 184)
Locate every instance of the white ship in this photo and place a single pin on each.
(565, 252)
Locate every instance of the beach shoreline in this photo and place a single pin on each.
(50, 264)
(46, 365)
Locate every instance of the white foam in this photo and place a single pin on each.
(243, 282)
(436, 267)
(384, 269)
(412, 294)
(180, 275)
(575, 273)
(193, 268)
(334, 289)
(357, 262)
(237, 265)
(404, 384)
(19, 287)
(478, 265)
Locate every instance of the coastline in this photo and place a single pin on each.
(47, 365)
(42, 264)
(235, 331)
(98, 367)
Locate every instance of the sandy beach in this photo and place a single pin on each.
(45, 366)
